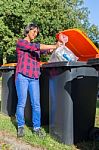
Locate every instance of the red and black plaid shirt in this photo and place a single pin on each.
(28, 58)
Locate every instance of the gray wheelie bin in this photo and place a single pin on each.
(9, 95)
(72, 100)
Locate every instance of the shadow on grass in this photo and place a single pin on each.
(13, 120)
(30, 127)
(90, 145)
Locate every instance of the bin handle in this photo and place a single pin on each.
(80, 76)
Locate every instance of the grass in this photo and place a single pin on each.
(0, 78)
(8, 125)
(97, 115)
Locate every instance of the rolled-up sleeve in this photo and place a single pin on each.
(35, 46)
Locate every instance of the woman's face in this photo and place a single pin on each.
(32, 34)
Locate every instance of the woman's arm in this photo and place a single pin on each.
(47, 47)
(26, 46)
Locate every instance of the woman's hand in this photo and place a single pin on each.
(50, 48)
(58, 44)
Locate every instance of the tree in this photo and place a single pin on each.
(51, 15)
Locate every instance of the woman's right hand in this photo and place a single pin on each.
(58, 44)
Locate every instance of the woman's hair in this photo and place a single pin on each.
(29, 27)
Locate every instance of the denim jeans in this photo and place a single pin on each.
(23, 84)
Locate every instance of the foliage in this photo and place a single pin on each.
(52, 16)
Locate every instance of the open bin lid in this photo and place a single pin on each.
(80, 44)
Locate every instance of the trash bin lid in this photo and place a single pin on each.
(80, 44)
(41, 63)
(13, 65)
(64, 64)
(8, 66)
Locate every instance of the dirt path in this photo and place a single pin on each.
(8, 142)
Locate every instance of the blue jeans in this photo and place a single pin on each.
(23, 84)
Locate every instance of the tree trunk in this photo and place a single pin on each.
(4, 58)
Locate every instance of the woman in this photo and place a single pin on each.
(27, 77)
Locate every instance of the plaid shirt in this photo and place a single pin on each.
(28, 58)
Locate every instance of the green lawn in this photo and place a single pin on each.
(8, 125)
(97, 115)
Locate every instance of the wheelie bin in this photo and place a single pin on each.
(73, 90)
(9, 95)
(72, 100)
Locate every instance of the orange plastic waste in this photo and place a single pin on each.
(80, 44)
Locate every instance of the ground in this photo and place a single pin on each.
(9, 142)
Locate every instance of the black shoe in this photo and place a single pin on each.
(20, 132)
(41, 133)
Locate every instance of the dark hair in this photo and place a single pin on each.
(29, 27)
